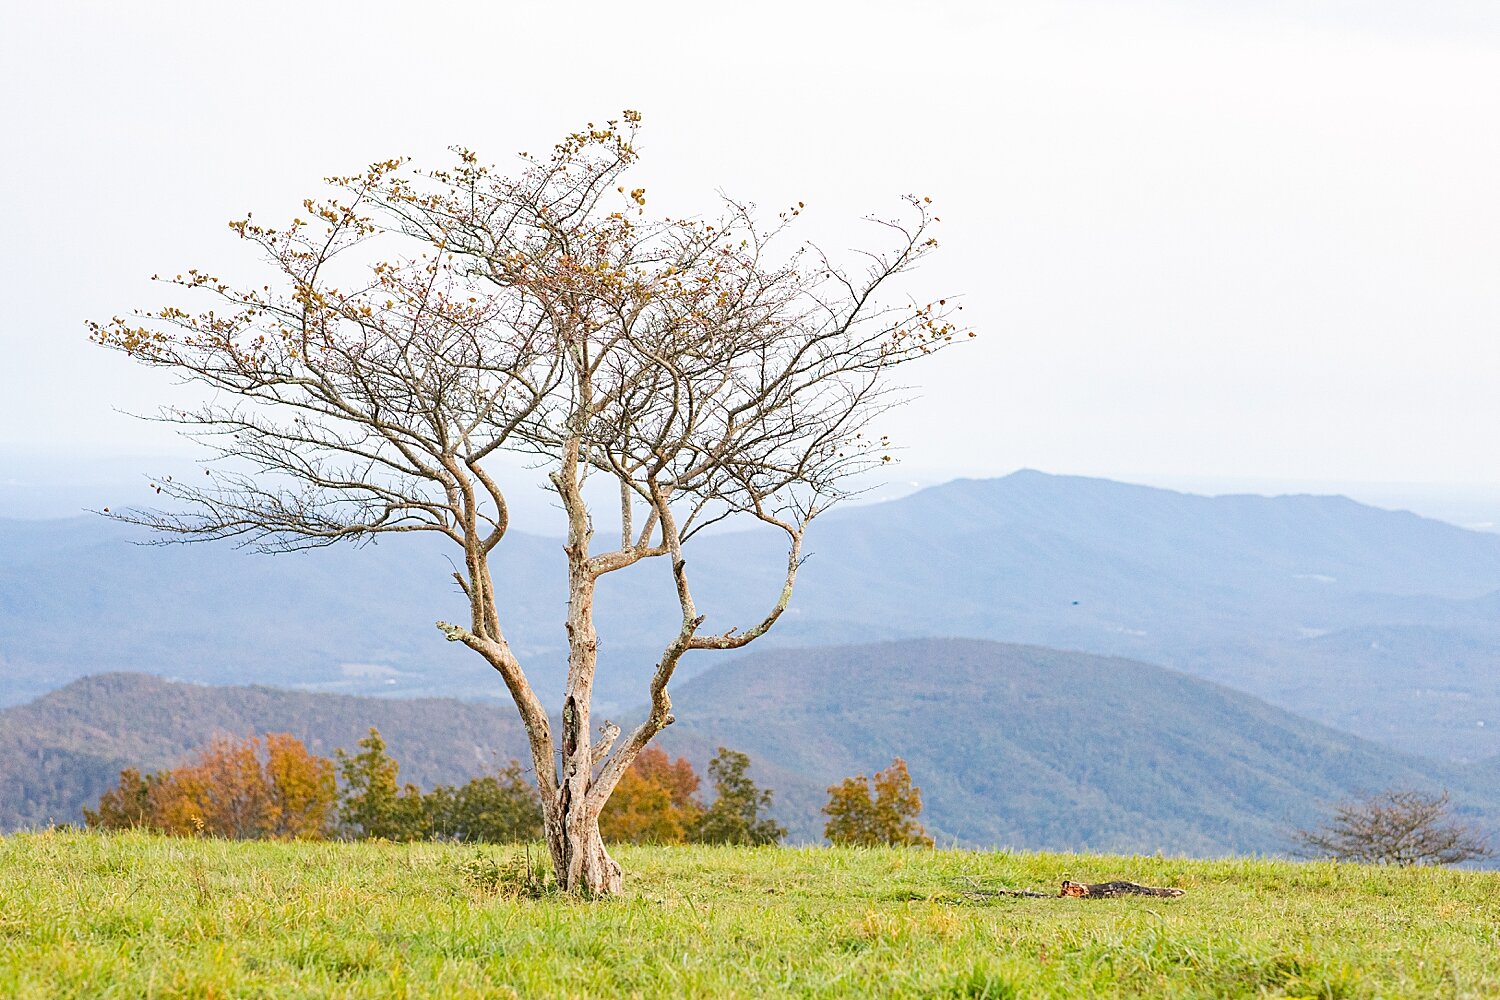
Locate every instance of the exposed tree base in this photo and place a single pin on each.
(601, 875)
(585, 868)
(1105, 889)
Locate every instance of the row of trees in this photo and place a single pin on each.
(276, 789)
(493, 808)
(656, 802)
(246, 789)
(239, 789)
(249, 789)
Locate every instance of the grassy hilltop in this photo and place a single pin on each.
(83, 915)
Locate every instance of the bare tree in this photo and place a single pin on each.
(1396, 827)
(418, 324)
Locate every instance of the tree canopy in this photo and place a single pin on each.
(1396, 827)
(889, 816)
(415, 324)
(737, 815)
(234, 788)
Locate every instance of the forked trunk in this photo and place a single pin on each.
(580, 859)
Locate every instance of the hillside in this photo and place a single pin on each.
(1330, 609)
(1344, 613)
(61, 752)
(1011, 745)
(1032, 747)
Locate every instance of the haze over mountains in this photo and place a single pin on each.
(1012, 745)
(1381, 623)
(1026, 746)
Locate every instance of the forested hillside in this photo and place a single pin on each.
(61, 752)
(1011, 745)
(1033, 747)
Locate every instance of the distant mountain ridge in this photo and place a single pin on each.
(1274, 596)
(1012, 745)
(1027, 746)
(1345, 613)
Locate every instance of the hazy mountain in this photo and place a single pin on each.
(1034, 747)
(1011, 745)
(1345, 613)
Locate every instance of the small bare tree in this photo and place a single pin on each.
(417, 324)
(1396, 827)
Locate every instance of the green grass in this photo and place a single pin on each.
(84, 915)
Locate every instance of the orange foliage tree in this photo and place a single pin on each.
(234, 788)
(857, 818)
(654, 802)
(303, 790)
(226, 791)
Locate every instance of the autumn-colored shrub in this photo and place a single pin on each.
(653, 803)
(857, 818)
(234, 788)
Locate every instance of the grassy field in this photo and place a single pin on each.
(83, 915)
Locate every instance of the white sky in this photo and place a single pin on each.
(1202, 241)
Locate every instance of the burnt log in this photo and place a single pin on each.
(1104, 890)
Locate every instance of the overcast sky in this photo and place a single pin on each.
(1202, 242)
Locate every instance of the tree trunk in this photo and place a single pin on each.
(582, 863)
(580, 859)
